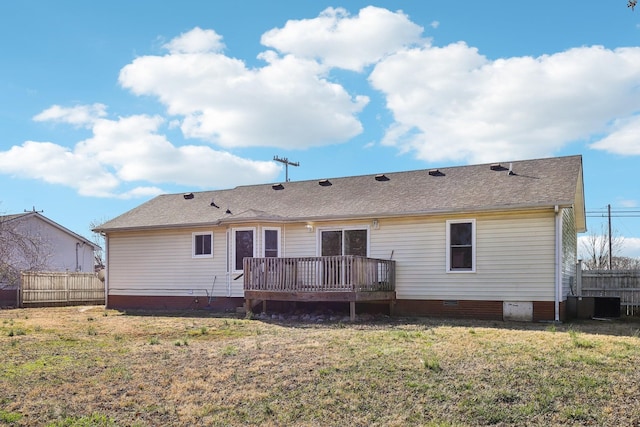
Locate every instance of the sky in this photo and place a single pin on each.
(104, 105)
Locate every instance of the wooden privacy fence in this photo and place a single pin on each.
(624, 284)
(55, 289)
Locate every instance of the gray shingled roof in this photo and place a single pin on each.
(533, 184)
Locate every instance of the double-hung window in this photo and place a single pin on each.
(461, 245)
(271, 242)
(202, 245)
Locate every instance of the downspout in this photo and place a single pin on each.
(228, 262)
(106, 273)
(78, 246)
(558, 263)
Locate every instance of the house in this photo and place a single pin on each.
(32, 242)
(489, 241)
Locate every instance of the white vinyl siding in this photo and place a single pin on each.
(161, 263)
(514, 257)
(57, 249)
(299, 241)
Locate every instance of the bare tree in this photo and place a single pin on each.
(626, 263)
(20, 249)
(595, 250)
(99, 241)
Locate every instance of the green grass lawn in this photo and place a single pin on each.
(86, 366)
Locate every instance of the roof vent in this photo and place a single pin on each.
(325, 182)
(228, 211)
(188, 196)
(497, 167)
(382, 177)
(214, 204)
(277, 187)
(435, 172)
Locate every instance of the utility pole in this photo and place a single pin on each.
(286, 165)
(610, 255)
(34, 210)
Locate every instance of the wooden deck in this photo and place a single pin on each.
(334, 278)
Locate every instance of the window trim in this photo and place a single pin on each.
(233, 244)
(264, 240)
(449, 269)
(193, 244)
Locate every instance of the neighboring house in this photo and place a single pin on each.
(491, 241)
(32, 242)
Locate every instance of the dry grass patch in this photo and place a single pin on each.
(74, 365)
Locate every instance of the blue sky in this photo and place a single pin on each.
(105, 105)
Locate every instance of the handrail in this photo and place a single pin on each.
(348, 273)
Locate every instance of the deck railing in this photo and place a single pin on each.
(319, 274)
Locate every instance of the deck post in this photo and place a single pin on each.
(264, 306)
(352, 310)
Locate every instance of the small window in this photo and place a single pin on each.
(461, 246)
(203, 245)
(271, 242)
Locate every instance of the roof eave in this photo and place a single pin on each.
(435, 212)
(279, 219)
(106, 230)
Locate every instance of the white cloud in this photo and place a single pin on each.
(136, 152)
(448, 103)
(129, 151)
(80, 115)
(338, 40)
(287, 103)
(627, 203)
(55, 164)
(623, 138)
(631, 247)
(452, 103)
(196, 41)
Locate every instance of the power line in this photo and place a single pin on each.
(613, 213)
(605, 215)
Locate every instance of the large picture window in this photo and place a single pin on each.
(461, 246)
(344, 242)
(340, 242)
(202, 246)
